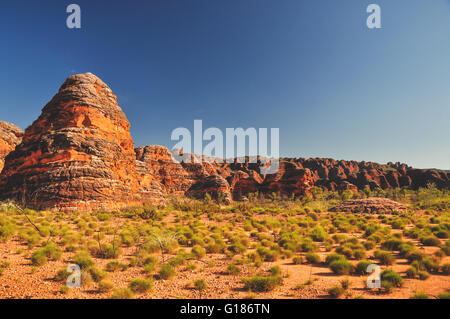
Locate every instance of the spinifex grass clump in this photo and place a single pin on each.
(140, 285)
(390, 279)
(49, 251)
(341, 267)
(262, 284)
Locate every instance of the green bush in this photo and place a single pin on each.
(62, 275)
(123, 293)
(38, 258)
(297, 260)
(267, 255)
(140, 285)
(49, 251)
(198, 251)
(359, 254)
(361, 267)
(97, 274)
(392, 244)
(444, 295)
(345, 283)
(341, 267)
(167, 271)
(233, 269)
(312, 258)
(333, 257)
(275, 270)
(415, 255)
(83, 260)
(388, 275)
(318, 234)
(336, 291)
(200, 284)
(430, 241)
(420, 295)
(412, 272)
(262, 284)
(105, 286)
(114, 265)
(384, 257)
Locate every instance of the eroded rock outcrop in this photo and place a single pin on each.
(370, 205)
(10, 137)
(342, 175)
(77, 155)
(156, 164)
(214, 185)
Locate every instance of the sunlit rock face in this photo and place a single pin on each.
(78, 154)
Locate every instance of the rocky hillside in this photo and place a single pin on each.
(79, 155)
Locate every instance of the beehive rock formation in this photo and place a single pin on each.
(78, 155)
(10, 137)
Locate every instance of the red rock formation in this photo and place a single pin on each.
(330, 174)
(370, 205)
(77, 155)
(243, 184)
(290, 180)
(158, 165)
(10, 137)
(214, 185)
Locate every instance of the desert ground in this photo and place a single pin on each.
(262, 248)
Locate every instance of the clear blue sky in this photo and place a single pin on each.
(312, 68)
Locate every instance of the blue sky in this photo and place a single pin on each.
(312, 68)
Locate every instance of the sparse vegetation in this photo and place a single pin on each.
(191, 239)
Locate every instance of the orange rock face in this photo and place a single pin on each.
(156, 165)
(77, 155)
(10, 137)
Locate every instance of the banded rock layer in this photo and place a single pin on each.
(78, 154)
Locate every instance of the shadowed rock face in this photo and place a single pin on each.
(77, 155)
(10, 137)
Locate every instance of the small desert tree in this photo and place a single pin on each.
(164, 239)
